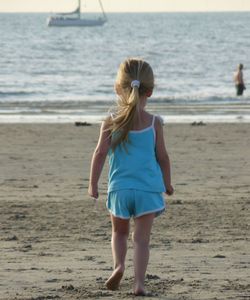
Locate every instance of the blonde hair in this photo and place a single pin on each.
(123, 118)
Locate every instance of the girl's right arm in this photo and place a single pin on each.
(98, 160)
(162, 157)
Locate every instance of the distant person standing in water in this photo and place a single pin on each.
(239, 82)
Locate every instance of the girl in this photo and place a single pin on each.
(139, 169)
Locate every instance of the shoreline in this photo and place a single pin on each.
(96, 119)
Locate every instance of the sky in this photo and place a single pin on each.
(124, 5)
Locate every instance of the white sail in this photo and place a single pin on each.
(76, 11)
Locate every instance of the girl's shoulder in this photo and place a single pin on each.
(158, 125)
(154, 117)
(157, 120)
(154, 121)
(106, 123)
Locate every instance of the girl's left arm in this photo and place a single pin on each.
(163, 158)
(98, 160)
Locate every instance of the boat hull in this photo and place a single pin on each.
(66, 22)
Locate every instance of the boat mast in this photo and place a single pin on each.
(103, 12)
(79, 9)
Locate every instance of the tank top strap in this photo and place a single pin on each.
(153, 121)
(153, 127)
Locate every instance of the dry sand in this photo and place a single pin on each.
(54, 245)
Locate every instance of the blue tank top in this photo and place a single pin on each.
(136, 167)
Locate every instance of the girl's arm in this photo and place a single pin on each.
(98, 160)
(162, 157)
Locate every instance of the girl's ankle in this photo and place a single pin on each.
(139, 290)
(119, 269)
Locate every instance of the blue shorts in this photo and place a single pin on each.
(134, 203)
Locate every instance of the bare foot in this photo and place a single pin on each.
(143, 293)
(114, 280)
(139, 291)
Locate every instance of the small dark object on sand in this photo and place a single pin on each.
(201, 123)
(219, 256)
(149, 276)
(68, 287)
(82, 124)
(11, 238)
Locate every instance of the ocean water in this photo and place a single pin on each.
(67, 74)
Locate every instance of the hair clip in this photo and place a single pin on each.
(135, 83)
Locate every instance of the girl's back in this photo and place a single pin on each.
(134, 165)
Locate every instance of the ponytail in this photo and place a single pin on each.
(134, 78)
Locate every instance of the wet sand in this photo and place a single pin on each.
(56, 245)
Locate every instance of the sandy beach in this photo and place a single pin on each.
(56, 245)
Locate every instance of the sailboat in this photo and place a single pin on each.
(74, 18)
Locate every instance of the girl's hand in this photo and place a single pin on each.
(170, 190)
(93, 192)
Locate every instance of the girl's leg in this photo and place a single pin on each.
(141, 238)
(120, 233)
